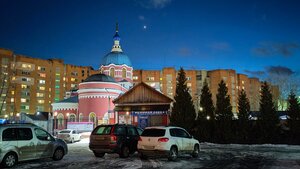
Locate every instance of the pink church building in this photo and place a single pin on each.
(93, 102)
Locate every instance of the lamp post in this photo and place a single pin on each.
(54, 122)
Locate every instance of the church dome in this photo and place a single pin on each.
(100, 78)
(117, 58)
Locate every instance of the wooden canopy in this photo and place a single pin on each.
(142, 97)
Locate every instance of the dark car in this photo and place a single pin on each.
(117, 138)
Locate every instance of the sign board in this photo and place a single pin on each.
(3, 121)
(81, 126)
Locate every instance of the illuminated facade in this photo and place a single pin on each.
(165, 81)
(30, 85)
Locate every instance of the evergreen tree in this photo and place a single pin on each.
(243, 106)
(206, 103)
(294, 116)
(183, 110)
(268, 119)
(244, 110)
(206, 117)
(223, 106)
(224, 114)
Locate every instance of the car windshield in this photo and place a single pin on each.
(65, 131)
(154, 132)
(102, 130)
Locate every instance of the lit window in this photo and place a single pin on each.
(42, 74)
(26, 65)
(112, 72)
(41, 68)
(39, 94)
(135, 77)
(23, 86)
(42, 81)
(243, 82)
(24, 107)
(12, 100)
(73, 79)
(41, 101)
(161, 78)
(189, 84)
(243, 88)
(13, 78)
(188, 78)
(12, 92)
(23, 100)
(41, 88)
(124, 73)
(151, 78)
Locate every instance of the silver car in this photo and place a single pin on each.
(20, 142)
(69, 135)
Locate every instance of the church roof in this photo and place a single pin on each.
(73, 99)
(117, 58)
(100, 78)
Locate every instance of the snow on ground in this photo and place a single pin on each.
(222, 156)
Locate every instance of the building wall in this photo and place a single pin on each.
(229, 76)
(254, 93)
(119, 72)
(32, 84)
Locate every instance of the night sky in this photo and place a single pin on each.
(249, 36)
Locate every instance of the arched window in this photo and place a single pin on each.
(112, 72)
(72, 117)
(93, 118)
(124, 73)
(80, 117)
(60, 121)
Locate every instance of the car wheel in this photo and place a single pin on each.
(173, 154)
(98, 154)
(196, 151)
(9, 160)
(142, 156)
(124, 152)
(58, 154)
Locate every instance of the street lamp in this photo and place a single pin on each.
(207, 117)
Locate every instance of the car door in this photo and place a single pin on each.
(132, 138)
(77, 135)
(188, 140)
(184, 137)
(10, 141)
(26, 144)
(177, 138)
(44, 145)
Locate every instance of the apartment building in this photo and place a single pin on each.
(165, 81)
(30, 84)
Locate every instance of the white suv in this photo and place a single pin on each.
(167, 141)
